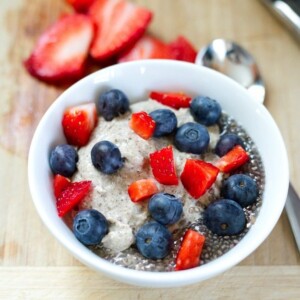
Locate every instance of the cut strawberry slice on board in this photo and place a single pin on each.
(59, 184)
(198, 176)
(174, 100)
(147, 47)
(119, 24)
(78, 123)
(72, 195)
(163, 166)
(142, 189)
(182, 49)
(60, 53)
(80, 5)
(233, 159)
(142, 124)
(190, 250)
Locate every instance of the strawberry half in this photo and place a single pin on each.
(175, 100)
(78, 123)
(119, 24)
(142, 124)
(80, 5)
(232, 160)
(59, 184)
(182, 49)
(147, 47)
(190, 250)
(142, 189)
(198, 176)
(163, 166)
(72, 195)
(60, 53)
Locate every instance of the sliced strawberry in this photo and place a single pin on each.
(163, 166)
(59, 184)
(80, 5)
(142, 189)
(175, 100)
(190, 250)
(61, 51)
(198, 176)
(72, 195)
(119, 24)
(146, 48)
(78, 123)
(142, 124)
(182, 49)
(233, 159)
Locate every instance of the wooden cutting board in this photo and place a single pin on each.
(33, 264)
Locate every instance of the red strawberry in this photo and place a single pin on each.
(59, 184)
(145, 48)
(190, 250)
(182, 49)
(72, 195)
(142, 124)
(163, 166)
(119, 24)
(198, 176)
(80, 5)
(175, 100)
(233, 159)
(142, 189)
(61, 51)
(78, 123)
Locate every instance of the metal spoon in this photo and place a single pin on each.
(234, 61)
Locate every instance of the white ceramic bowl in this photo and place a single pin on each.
(136, 79)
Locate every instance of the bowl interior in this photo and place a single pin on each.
(136, 79)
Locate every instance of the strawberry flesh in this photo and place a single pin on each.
(80, 5)
(182, 49)
(59, 184)
(142, 124)
(142, 189)
(198, 176)
(174, 100)
(163, 166)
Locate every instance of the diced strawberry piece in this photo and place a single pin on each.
(190, 250)
(198, 176)
(175, 100)
(72, 195)
(142, 124)
(233, 159)
(61, 51)
(163, 166)
(80, 5)
(182, 49)
(59, 184)
(147, 47)
(119, 24)
(78, 123)
(142, 189)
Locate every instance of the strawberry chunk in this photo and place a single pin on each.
(80, 5)
(175, 100)
(142, 124)
(163, 166)
(182, 49)
(198, 176)
(142, 189)
(72, 195)
(190, 250)
(148, 47)
(61, 51)
(59, 184)
(233, 159)
(78, 123)
(119, 24)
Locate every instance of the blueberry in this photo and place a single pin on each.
(63, 159)
(112, 103)
(240, 188)
(90, 226)
(106, 157)
(191, 138)
(165, 208)
(205, 110)
(166, 122)
(153, 240)
(225, 217)
(227, 142)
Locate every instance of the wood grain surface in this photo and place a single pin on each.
(32, 261)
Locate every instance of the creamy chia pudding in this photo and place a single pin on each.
(109, 192)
